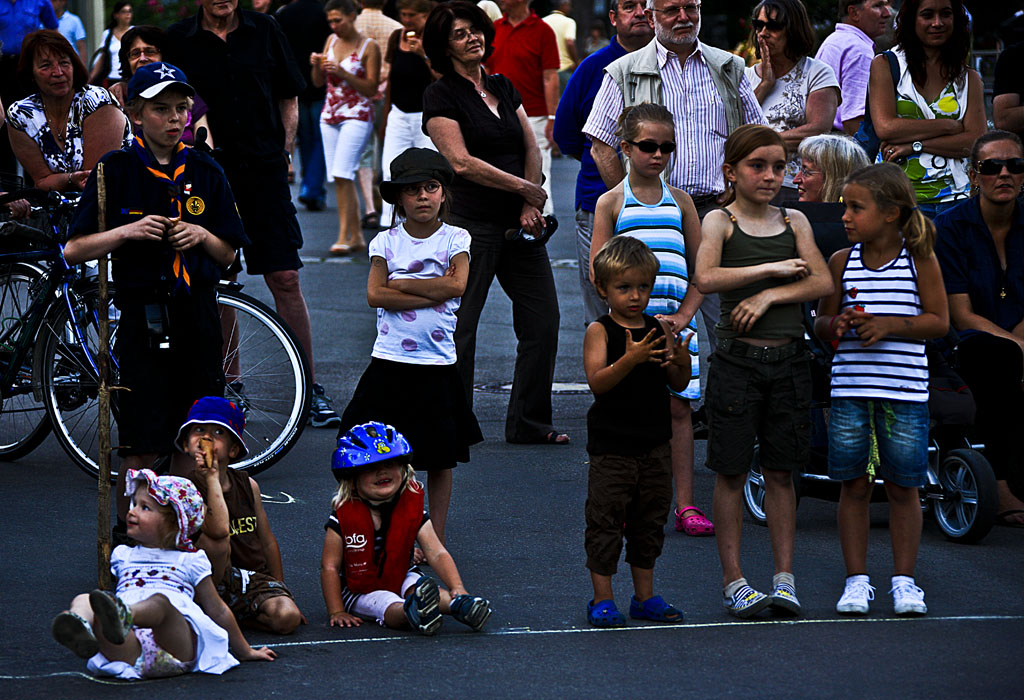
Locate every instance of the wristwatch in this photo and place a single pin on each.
(917, 146)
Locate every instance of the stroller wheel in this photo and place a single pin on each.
(753, 490)
(966, 508)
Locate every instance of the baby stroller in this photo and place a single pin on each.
(961, 488)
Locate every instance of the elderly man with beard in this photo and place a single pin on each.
(632, 31)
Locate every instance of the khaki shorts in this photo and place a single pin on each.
(245, 591)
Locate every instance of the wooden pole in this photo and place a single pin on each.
(103, 496)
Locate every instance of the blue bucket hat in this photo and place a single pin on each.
(214, 409)
(153, 78)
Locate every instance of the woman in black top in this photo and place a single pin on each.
(409, 77)
(478, 123)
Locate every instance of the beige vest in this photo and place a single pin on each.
(639, 81)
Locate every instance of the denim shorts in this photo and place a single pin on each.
(902, 430)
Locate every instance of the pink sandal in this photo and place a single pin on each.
(696, 524)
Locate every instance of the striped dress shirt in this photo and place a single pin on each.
(689, 93)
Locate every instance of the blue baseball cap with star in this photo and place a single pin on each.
(153, 78)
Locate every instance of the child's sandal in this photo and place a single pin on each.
(470, 610)
(422, 606)
(113, 615)
(654, 609)
(76, 634)
(605, 614)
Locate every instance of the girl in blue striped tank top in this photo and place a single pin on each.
(889, 299)
(644, 207)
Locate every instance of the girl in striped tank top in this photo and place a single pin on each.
(644, 207)
(889, 299)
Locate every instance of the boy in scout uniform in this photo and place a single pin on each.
(172, 228)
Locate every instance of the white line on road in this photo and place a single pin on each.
(525, 631)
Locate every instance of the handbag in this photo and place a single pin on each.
(866, 136)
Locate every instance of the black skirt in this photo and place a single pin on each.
(426, 403)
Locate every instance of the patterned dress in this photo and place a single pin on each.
(28, 117)
(342, 100)
(936, 179)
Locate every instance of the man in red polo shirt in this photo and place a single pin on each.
(526, 52)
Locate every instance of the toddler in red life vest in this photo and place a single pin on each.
(365, 568)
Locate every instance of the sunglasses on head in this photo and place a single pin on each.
(652, 146)
(772, 25)
(994, 166)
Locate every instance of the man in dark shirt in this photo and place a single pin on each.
(241, 63)
(1008, 102)
(304, 22)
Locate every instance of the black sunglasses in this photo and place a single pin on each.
(994, 166)
(773, 25)
(651, 146)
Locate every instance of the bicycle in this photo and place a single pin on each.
(48, 349)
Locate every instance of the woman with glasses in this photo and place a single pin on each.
(980, 248)
(799, 95)
(144, 44)
(824, 162)
(928, 121)
(478, 123)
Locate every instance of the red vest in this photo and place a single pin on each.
(362, 573)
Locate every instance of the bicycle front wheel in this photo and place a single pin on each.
(23, 420)
(70, 346)
(265, 367)
(267, 375)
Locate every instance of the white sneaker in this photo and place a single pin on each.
(856, 596)
(907, 598)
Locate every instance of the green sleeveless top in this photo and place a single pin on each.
(742, 250)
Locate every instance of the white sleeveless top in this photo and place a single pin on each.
(894, 368)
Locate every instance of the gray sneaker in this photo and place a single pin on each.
(321, 415)
(746, 602)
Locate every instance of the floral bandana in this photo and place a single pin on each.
(177, 492)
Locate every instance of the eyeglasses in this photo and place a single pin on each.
(652, 146)
(994, 166)
(772, 25)
(428, 187)
(676, 10)
(807, 171)
(464, 34)
(150, 51)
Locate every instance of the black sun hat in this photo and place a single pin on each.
(415, 165)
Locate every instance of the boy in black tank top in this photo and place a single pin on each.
(629, 364)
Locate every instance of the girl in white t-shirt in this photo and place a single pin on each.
(418, 271)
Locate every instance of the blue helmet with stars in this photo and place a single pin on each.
(366, 445)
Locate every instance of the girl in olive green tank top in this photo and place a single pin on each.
(763, 262)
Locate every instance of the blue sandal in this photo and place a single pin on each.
(654, 609)
(605, 614)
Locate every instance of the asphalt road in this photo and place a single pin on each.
(516, 532)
